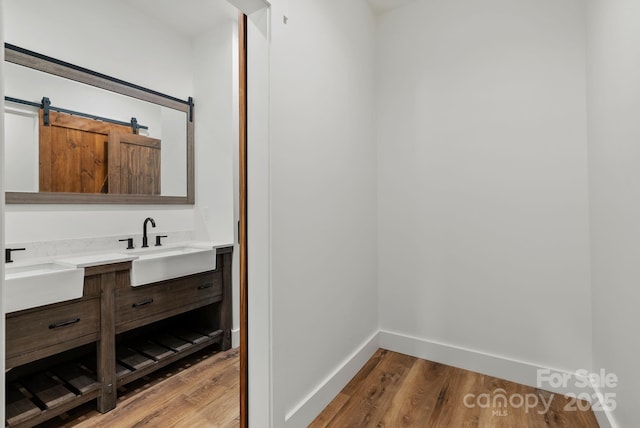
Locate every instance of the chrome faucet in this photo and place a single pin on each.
(144, 231)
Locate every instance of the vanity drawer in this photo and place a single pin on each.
(136, 306)
(199, 290)
(40, 332)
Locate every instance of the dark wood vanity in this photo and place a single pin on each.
(69, 353)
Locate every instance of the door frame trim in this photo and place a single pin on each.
(242, 229)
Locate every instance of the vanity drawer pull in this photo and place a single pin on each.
(63, 324)
(142, 303)
(205, 286)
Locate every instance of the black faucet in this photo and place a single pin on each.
(7, 254)
(144, 231)
(129, 242)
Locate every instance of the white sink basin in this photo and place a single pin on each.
(159, 264)
(38, 284)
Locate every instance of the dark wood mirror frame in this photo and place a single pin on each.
(66, 70)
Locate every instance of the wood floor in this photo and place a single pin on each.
(395, 390)
(392, 390)
(201, 390)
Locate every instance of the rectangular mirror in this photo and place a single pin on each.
(73, 135)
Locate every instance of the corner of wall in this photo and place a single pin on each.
(310, 406)
(513, 370)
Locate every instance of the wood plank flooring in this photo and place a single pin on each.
(395, 390)
(202, 390)
(392, 390)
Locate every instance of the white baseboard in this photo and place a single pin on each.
(235, 338)
(501, 367)
(303, 413)
(467, 359)
(493, 365)
(604, 417)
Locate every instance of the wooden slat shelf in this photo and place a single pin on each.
(19, 405)
(52, 413)
(198, 342)
(172, 342)
(208, 331)
(190, 336)
(49, 391)
(43, 395)
(76, 376)
(121, 370)
(153, 350)
(132, 360)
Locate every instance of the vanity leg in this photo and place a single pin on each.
(106, 354)
(226, 315)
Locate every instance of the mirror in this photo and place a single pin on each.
(73, 135)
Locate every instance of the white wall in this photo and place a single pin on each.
(260, 359)
(483, 195)
(109, 37)
(216, 131)
(21, 129)
(139, 49)
(126, 47)
(614, 165)
(2, 226)
(322, 164)
(214, 91)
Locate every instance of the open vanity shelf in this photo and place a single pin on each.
(66, 354)
(144, 350)
(35, 397)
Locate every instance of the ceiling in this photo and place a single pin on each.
(190, 17)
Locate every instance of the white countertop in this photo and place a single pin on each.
(97, 259)
(221, 244)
